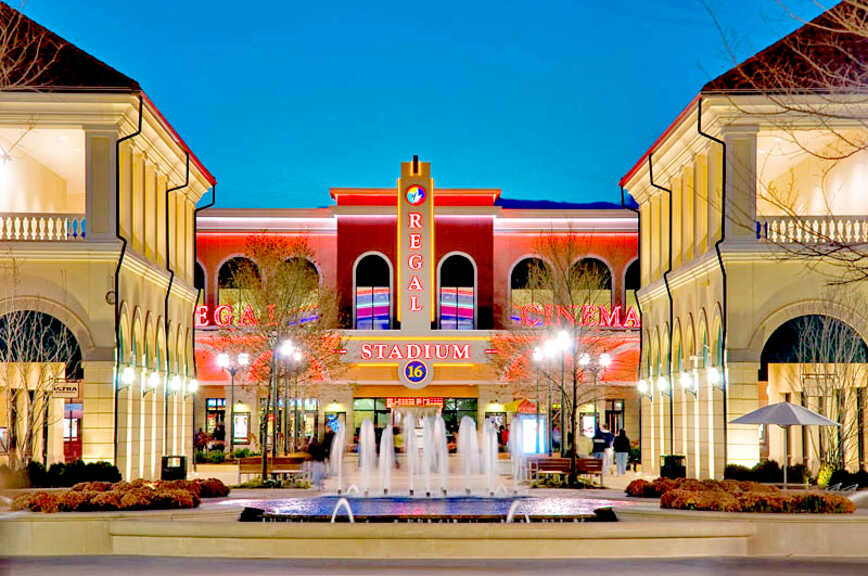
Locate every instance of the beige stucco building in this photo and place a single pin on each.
(97, 231)
(741, 214)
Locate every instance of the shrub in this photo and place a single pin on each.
(167, 498)
(845, 478)
(241, 453)
(106, 501)
(73, 501)
(213, 488)
(36, 502)
(93, 486)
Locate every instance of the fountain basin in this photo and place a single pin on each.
(387, 509)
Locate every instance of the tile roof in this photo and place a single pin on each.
(52, 63)
(826, 54)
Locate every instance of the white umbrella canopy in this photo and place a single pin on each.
(785, 414)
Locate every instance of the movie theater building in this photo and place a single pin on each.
(97, 197)
(739, 224)
(426, 276)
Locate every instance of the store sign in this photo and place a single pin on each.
(226, 315)
(592, 316)
(455, 352)
(413, 402)
(415, 249)
(66, 389)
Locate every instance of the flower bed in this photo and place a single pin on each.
(135, 495)
(736, 496)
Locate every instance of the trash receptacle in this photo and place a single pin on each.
(173, 468)
(673, 466)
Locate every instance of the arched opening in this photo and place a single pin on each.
(235, 277)
(457, 293)
(373, 293)
(819, 362)
(40, 355)
(590, 282)
(199, 283)
(530, 284)
(631, 284)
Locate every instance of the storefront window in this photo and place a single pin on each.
(234, 278)
(457, 293)
(215, 411)
(454, 409)
(373, 298)
(631, 284)
(373, 409)
(591, 283)
(615, 415)
(530, 285)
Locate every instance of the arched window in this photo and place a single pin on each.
(373, 293)
(591, 283)
(302, 281)
(530, 284)
(233, 279)
(199, 283)
(457, 293)
(631, 284)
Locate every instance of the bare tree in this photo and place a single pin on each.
(278, 300)
(27, 52)
(811, 90)
(830, 371)
(37, 352)
(565, 294)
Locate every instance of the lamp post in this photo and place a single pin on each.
(294, 356)
(232, 366)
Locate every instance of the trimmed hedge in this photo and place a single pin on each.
(767, 471)
(135, 495)
(58, 475)
(737, 496)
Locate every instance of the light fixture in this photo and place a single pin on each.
(584, 360)
(192, 385)
(223, 360)
(243, 359)
(175, 383)
(662, 385)
(128, 375)
(605, 360)
(550, 348)
(296, 356)
(563, 340)
(642, 387)
(154, 379)
(286, 348)
(537, 354)
(713, 375)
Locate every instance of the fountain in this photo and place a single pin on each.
(336, 455)
(345, 504)
(468, 450)
(387, 459)
(489, 455)
(367, 454)
(428, 453)
(410, 449)
(442, 452)
(516, 453)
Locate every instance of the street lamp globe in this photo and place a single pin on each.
(286, 348)
(296, 356)
(537, 355)
(550, 348)
(243, 359)
(223, 360)
(584, 359)
(605, 360)
(563, 340)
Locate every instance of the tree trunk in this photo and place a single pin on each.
(263, 426)
(573, 443)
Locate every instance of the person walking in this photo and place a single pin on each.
(599, 445)
(622, 452)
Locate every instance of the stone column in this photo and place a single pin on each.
(742, 397)
(740, 182)
(98, 425)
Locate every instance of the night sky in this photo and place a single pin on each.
(282, 100)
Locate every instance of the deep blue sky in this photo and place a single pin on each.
(544, 99)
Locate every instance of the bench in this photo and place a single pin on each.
(542, 466)
(292, 465)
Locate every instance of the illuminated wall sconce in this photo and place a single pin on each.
(153, 380)
(688, 382)
(714, 377)
(192, 386)
(663, 385)
(128, 376)
(645, 390)
(174, 383)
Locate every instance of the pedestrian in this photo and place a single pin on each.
(599, 445)
(317, 457)
(622, 452)
(609, 452)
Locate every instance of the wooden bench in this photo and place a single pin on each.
(543, 466)
(292, 465)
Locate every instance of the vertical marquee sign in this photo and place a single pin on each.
(415, 246)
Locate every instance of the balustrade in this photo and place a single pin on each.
(42, 227)
(812, 229)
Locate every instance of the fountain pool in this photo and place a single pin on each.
(426, 510)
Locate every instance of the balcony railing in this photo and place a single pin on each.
(42, 227)
(813, 229)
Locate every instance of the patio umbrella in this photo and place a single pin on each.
(785, 414)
